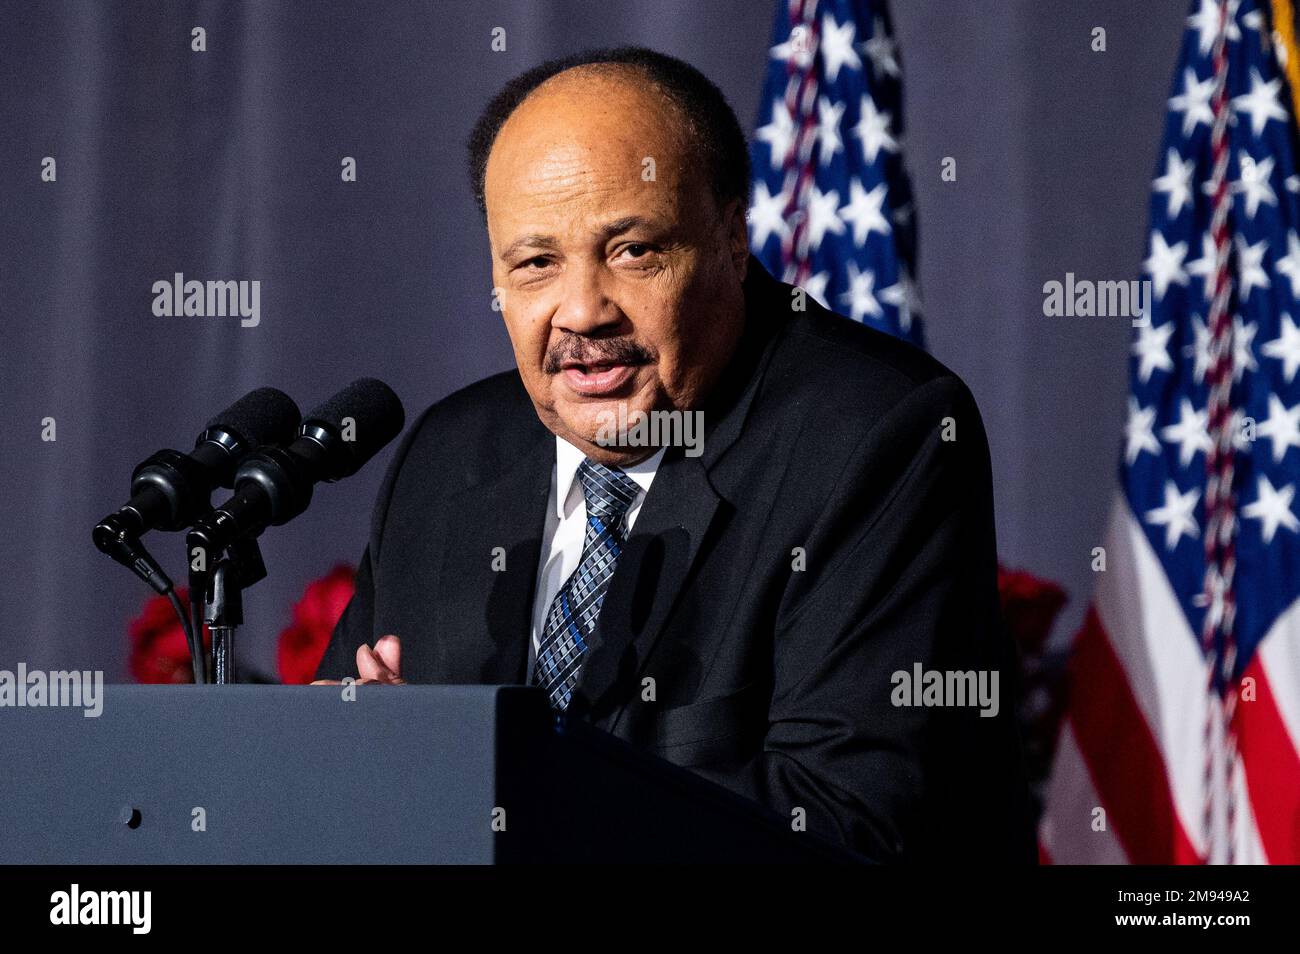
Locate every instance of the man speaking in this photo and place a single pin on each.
(754, 604)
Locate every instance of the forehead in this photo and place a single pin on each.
(591, 139)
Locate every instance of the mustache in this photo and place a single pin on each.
(575, 349)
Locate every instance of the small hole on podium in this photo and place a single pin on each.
(131, 817)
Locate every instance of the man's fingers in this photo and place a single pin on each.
(389, 650)
(369, 665)
(386, 681)
(373, 670)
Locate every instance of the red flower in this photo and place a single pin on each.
(159, 651)
(1029, 605)
(303, 643)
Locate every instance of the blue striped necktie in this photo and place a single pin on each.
(609, 493)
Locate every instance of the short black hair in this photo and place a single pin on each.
(712, 123)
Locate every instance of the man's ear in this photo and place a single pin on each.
(737, 232)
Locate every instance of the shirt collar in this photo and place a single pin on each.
(569, 458)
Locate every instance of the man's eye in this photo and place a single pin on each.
(538, 262)
(638, 249)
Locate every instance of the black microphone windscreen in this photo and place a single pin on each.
(263, 416)
(368, 411)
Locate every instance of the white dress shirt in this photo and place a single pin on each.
(566, 530)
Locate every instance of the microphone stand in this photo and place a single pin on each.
(223, 603)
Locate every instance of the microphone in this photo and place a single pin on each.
(170, 490)
(274, 484)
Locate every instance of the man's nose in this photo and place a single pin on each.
(585, 308)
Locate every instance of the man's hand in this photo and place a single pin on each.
(381, 666)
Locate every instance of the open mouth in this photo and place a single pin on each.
(596, 380)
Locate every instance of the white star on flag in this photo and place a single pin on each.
(1152, 349)
(880, 49)
(1282, 426)
(1261, 102)
(1285, 348)
(1272, 508)
(1138, 433)
(779, 134)
(864, 211)
(1254, 184)
(767, 215)
(837, 47)
(1243, 357)
(1250, 267)
(816, 286)
(1165, 264)
(873, 129)
(1190, 433)
(822, 216)
(828, 129)
(1194, 102)
(1289, 264)
(905, 297)
(861, 296)
(798, 49)
(1175, 515)
(1177, 181)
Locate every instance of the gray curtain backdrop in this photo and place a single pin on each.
(225, 164)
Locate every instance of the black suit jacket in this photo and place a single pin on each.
(827, 537)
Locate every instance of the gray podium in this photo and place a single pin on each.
(298, 775)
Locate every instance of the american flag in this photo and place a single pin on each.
(831, 209)
(1180, 743)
